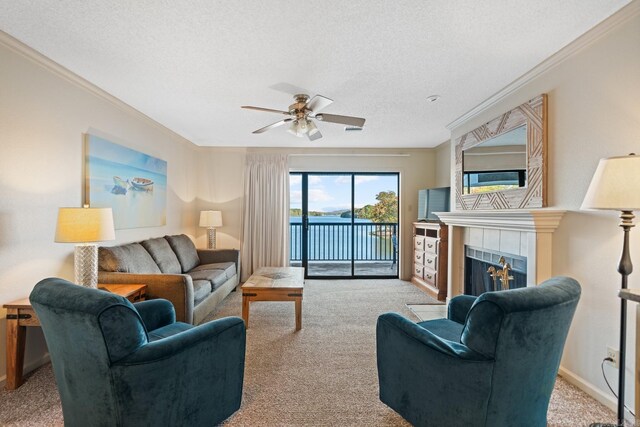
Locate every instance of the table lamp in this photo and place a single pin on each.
(616, 186)
(211, 220)
(85, 226)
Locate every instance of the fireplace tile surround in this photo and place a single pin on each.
(526, 233)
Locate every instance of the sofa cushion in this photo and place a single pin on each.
(129, 258)
(228, 267)
(163, 255)
(185, 250)
(201, 290)
(216, 277)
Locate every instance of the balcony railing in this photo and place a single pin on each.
(330, 241)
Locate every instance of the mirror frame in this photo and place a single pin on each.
(533, 114)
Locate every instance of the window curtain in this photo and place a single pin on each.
(265, 229)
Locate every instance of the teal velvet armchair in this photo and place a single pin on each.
(492, 362)
(121, 364)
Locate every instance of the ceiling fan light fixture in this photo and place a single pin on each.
(297, 128)
(313, 129)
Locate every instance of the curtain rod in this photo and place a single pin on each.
(349, 155)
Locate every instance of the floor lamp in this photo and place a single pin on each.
(85, 226)
(616, 186)
(211, 220)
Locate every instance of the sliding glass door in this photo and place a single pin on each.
(344, 225)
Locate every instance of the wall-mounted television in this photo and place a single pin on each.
(432, 200)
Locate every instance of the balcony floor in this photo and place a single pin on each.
(343, 268)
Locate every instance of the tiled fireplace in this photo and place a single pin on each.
(524, 237)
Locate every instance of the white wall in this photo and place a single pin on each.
(443, 164)
(594, 112)
(43, 116)
(224, 170)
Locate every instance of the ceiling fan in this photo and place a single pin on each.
(302, 113)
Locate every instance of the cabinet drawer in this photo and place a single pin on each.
(430, 260)
(429, 276)
(419, 257)
(418, 270)
(430, 245)
(418, 243)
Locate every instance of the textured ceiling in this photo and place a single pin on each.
(190, 65)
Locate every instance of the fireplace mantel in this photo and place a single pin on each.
(534, 220)
(527, 232)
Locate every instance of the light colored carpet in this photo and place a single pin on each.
(323, 375)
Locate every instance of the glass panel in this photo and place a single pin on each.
(376, 225)
(496, 164)
(295, 219)
(329, 241)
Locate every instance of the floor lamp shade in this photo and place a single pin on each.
(85, 227)
(211, 220)
(616, 186)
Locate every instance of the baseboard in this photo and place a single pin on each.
(29, 367)
(606, 399)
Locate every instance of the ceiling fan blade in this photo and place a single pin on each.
(273, 125)
(316, 135)
(288, 88)
(345, 120)
(270, 110)
(318, 103)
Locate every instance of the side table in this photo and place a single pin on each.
(20, 314)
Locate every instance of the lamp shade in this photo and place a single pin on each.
(84, 225)
(210, 219)
(615, 185)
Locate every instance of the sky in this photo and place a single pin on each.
(329, 193)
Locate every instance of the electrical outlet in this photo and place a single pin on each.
(613, 354)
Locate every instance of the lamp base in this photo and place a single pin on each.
(211, 238)
(85, 259)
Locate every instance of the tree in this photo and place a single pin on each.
(386, 210)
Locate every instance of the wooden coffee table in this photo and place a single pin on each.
(274, 284)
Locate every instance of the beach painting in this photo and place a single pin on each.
(131, 183)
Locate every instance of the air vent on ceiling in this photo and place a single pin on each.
(352, 128)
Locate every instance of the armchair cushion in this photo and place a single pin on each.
(443, 328)
(130, 258)
(163, 255)
(185, 250)
(168, 330)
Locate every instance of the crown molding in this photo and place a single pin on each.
(534, 220)
(33, 55)
(585, 40)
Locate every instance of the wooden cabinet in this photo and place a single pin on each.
(430, 255)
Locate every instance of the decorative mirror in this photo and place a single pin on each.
(502, 164)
